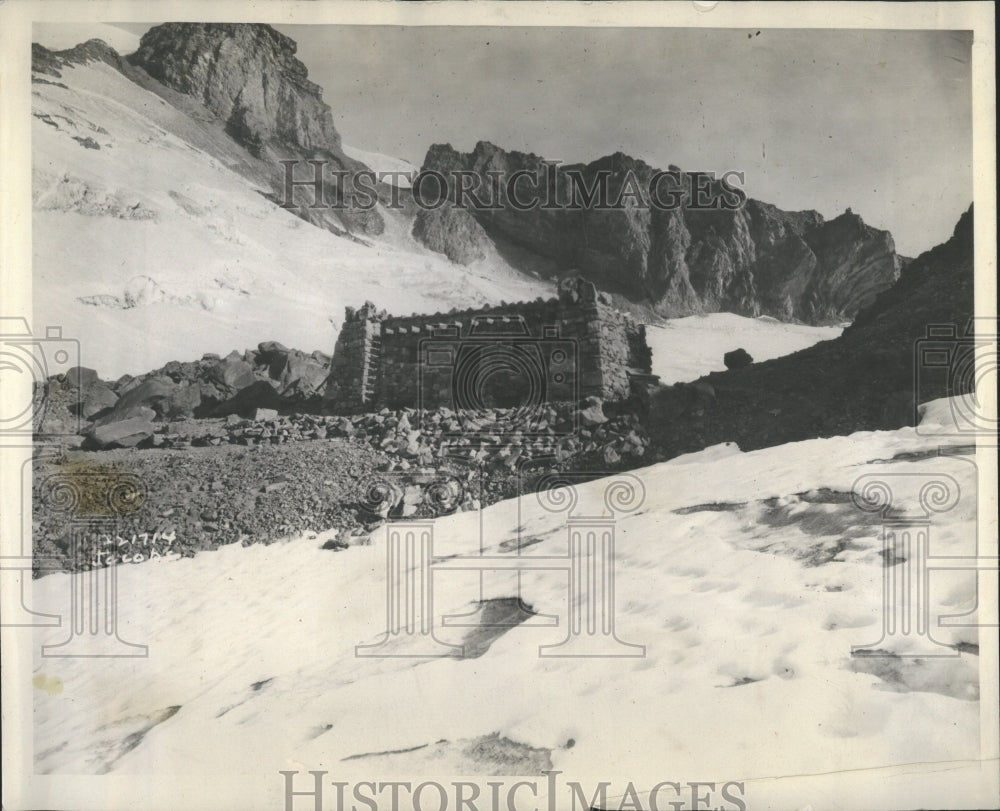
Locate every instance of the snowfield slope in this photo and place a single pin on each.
(748, 577)
(148, 247)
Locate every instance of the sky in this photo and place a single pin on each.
(878, 121)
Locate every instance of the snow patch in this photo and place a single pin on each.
(384, 163)
(685, 349)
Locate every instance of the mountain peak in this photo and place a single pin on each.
(248, 75)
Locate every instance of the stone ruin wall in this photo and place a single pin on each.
(377, 362)
(354, 370)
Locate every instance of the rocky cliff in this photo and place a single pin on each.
(753, 259)
(247, 75)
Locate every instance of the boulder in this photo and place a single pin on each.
(737, 359)
(153, 393)
(592, 412)
(123, 434)
(302, 376)
(246, 401)
(275, 484)
(413, 496)
(80, 377)
(160, 395)
(575, 289)
(231, 374)
(184, 401)
(99, 398)
(272, 353)
(124, 383)
(179, 372)
(120, 414)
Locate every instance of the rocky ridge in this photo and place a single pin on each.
(677, 260)
(756, 260)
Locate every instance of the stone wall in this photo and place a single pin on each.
(556, 350)
(477, 358)
(351, 387)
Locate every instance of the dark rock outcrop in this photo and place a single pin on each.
(161, 395)
(230, 374)
(80, 377)
(865, 379)
(247, 401)
(592, 413)
(675, 258)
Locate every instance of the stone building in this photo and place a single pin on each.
(561, 349)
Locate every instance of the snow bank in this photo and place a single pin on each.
(955, 416)
(748, 577)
